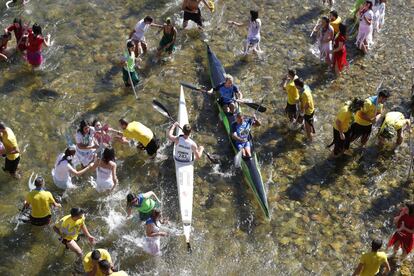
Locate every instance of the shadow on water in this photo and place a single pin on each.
(44, 94)
(306, 17)
(323, 173)
(110, 74)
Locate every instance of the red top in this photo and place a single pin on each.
(17, 31)
(408, 223)
(35, 43)
(340, 38)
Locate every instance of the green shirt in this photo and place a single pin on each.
(130, 59)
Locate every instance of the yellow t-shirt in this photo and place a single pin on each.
(88, 264)
(306, 98)
(345, 117)
(138, 132)
(10, 142)
(40, 201)
(292, 92)
(369, 109)
(372, 262)
(119, 273)
(335, 24)
(70, 228)
(395, 120)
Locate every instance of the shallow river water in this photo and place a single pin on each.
(323, 213)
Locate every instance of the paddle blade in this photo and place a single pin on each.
(212, 159)
(190, 86)
(160, 108)
(237, 159)
(256, 106)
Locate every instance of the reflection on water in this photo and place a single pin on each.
(324, 212)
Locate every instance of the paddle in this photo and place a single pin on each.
(314, 28)
(256, 106)
(164, 111)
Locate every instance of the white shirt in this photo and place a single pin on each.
(61, 171)
(140, 30)
(254, 29)
(87, 139)
(183, 149)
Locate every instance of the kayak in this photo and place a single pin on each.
(250, 167)
(185, 175)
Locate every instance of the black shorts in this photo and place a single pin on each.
(11, 165)
(152, 146)
(291, 109)
(339, 144)
(40, 221)
(196, 17)
(358, 131)
(309, 120)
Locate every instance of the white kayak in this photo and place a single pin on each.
(185, 175)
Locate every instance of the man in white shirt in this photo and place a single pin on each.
(137, 35)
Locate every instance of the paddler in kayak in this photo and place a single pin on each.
(40, 201)
(393, 125)
(144, 203)
(186, 149)
(143, 135)
(229, 94)
(241, 132)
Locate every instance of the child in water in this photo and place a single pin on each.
(253, 37)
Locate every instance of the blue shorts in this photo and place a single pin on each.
(242, 145)
(253, 41)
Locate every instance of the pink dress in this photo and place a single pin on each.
(365, 29)
(326, 47)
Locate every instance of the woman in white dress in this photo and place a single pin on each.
(379, 15)
(364, 38)
(63, 169)
(253, 37)
(326, 35)
(153, 234)
(106, 179)
(85, 143)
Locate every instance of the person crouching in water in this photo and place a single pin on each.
(144, 203)
(40, 201)
(342, 126)
(393, 125)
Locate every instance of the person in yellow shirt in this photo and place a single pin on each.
(394, 124)
(11, 150)
(288, 85)
(342, 126)
(140, 133)
(68, 229)
(370, 263)
(307, 108)
(334, 21)
(91, 261)
(369, 114)
(40, 200)
(106, 269)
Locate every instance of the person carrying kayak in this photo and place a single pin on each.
(143, 135)
(11, 150)
(106, 269)
(68, 229)
(369, 114)
(186, 150)
(40, 201)
(229, 94)
(63, 169)
(240, 130)
(144, 203)
(393, 125)
(342, 125)
(92, 259)
(306, 107)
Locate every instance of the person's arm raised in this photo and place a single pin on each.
(170, 132)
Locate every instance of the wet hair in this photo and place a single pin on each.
(39, 181)
(82, 125)
(129, 44)
(2, 125)
(17, 20)
(342, 29)
(299, 83)
(104, 265)
(254, 15)
(148, 19)
(37, 30)
(130, 198)
(292, 72)
(96, 255)
(334, 13)
(376, 245)
(155, 215)
(123, 122)
(326, 19)
(108, 155)
(385, 93)
(187, 129)
(76, 211)
(70, 151)
(370, 4)
(356, 105)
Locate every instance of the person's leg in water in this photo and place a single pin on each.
(308, 131)
(144, 47)
(74, 247)
(137, 49)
